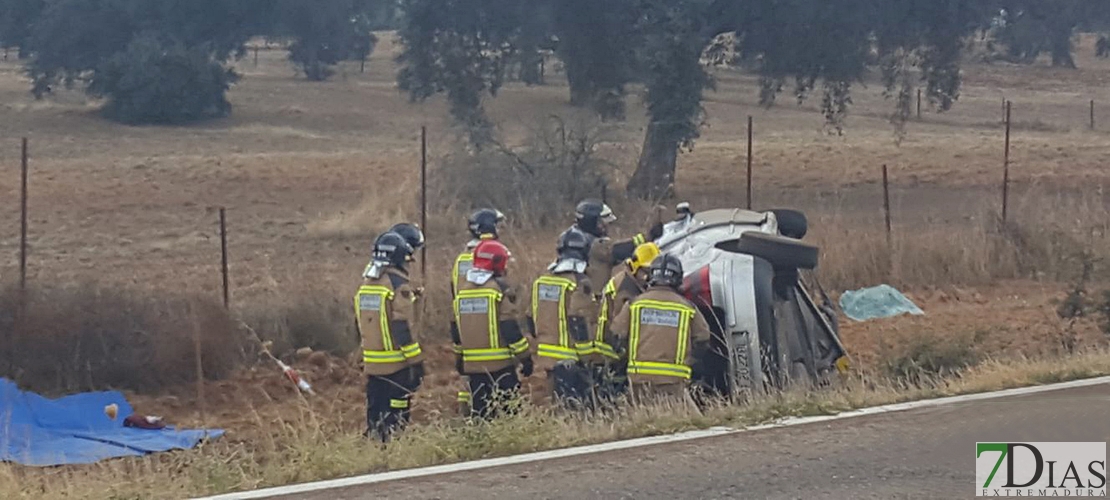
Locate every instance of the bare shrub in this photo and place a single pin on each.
(89, 337)
(926, 357)
(318, 320)
(537, 181)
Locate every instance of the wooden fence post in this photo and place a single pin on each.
(1006, 168)
(750, 137)
(223, 258)
(24, 154)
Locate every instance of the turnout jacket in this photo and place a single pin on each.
(606, 254)
(620, 290)
(463, 262)
(661, 332)
(562, 306)
(384, 312)
(486, 329)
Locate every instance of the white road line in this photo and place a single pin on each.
(641, 442)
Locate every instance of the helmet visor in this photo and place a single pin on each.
(606, 215)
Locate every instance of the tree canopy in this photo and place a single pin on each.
(17, 18)
(327, 32)
(167, 60)
(155, 61)
(606, 44)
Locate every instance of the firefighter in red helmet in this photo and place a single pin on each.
(483, 224)
(486, 331)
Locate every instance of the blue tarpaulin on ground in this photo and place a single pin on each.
(881, 301)
(75, 429)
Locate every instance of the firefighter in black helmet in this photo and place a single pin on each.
(562, 308)
(392, 357)
(411, 233)
(661, 335)
(593, 217)
(415, 238)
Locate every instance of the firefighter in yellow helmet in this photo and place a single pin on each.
(392, 358)
(562, 308)
(662, 335)
(483, 225)
(486, 331)
(628, 282)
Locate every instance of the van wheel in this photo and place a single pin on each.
(792, 223)
(780, 251)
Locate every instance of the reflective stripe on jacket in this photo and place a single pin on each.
(620, 290)
(384, 324)
(661, 329)
(463, 263)
(550, 303)
(489, 336)
(668, 321)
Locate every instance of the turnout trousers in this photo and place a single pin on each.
(388, 403)
(493, 393)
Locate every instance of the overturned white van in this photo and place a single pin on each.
(743, 272)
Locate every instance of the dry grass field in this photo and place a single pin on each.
(310, 172)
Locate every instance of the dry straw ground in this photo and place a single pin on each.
(307, 444)
(310, 171)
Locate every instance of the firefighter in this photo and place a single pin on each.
(593, 218)
(562, 306)
(483, 225)
(628, 282)
(415, 238)
(391, 354)
(661, 335)
(486, 331)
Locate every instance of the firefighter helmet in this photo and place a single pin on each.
(391, 248)
(591, 216)
(574, 244)
(492, 256)
(484, 222)
(643, 256)
(666, 270)
(411, 233)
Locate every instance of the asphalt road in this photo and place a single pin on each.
(922, 453)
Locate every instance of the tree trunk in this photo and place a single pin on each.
(1061, 46)
(654, 177)
(581, 90)
(1061, 54)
